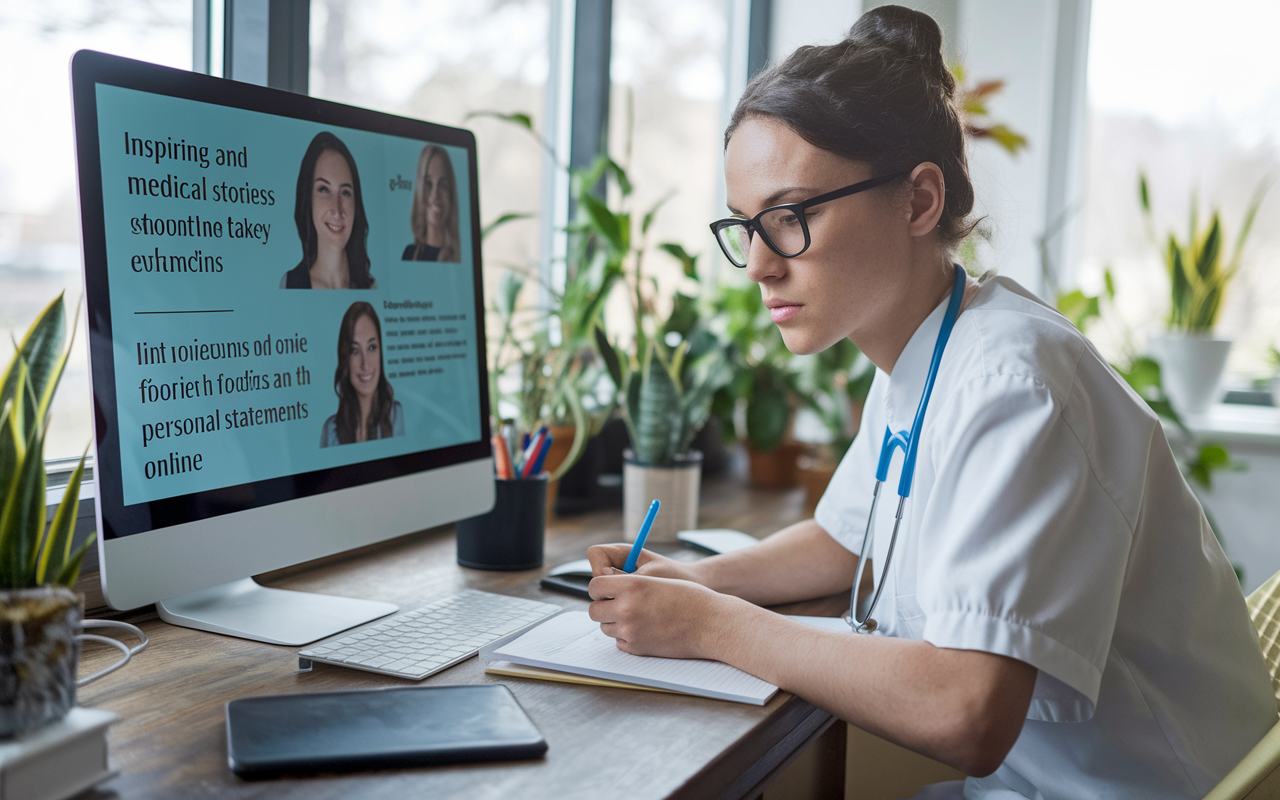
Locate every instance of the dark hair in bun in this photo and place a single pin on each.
(882, 95)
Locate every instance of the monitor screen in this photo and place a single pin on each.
(283, 294)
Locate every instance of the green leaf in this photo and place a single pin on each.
(517, 118)
(688, 262)
(1007, 138)
(503, 220)
(1109, 283)
(610, 357)
(22, 518)
(1207, 260)
(619, 175)
(580, 430)
(1143, 375)
(658, 403)
(71, 568)
(611, 273)
(684, 315)
(1144, 195)
(509, 287)
(1078, 307)
(56, 549)
(1214, 456)
(767, 416)
(40, 348)
(632, 401)
(603, 221)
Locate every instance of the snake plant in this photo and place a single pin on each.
(32, 554)
(1199, 267)
(666, 396)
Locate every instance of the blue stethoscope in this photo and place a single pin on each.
(910, 443)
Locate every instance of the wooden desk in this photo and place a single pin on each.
(604, 743)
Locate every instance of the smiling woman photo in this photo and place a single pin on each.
(367, 408)
(434, 217)
(1043, 604)
(332, 226)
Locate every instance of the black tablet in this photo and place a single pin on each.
(378, 728)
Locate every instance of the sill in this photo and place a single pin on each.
(57, 474)
(1237, 424)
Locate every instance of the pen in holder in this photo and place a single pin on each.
(509, 537)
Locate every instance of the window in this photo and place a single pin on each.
(1188, 94)
(666, 119)
(441, 61)
(39, 211)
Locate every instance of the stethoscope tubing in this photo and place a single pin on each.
(909, 442)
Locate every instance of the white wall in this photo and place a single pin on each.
(1039, 48)
(799, 22)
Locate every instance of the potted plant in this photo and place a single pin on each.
(834, 385)
(1200, 270)
(764, 386)
(39, 614)
(666, 399)
(542, 362)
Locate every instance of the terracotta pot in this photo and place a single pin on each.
(775, 469)
(814, 475)
(39, 653)
(676, 487)
(561, 444)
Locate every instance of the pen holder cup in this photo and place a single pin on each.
(510, 537)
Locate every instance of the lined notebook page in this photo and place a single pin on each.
(571, 642)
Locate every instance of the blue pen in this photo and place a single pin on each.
(634, 556)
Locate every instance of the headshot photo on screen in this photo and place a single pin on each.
(367, 408)
(332, 226)
(434, 218)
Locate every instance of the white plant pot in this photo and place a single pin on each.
(1191, 369)
(675, 487)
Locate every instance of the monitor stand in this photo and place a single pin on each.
(249, 610)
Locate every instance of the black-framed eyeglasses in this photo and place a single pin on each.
(784, 228)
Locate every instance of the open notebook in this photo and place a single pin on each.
(571, 642)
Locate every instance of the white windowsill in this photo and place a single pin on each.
(1232, 424)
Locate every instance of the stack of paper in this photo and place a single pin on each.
(572, 643)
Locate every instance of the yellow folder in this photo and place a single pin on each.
(538, 673)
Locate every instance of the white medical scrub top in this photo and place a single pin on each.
(1049, 522)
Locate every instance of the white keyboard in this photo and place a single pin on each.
(422, 642)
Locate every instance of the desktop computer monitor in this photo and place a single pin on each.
(285, 337)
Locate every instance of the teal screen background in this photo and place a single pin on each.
(440, 397)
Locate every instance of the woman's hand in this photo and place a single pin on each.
(607, 559)
(651, 616)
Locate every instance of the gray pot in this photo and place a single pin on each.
(38, 656)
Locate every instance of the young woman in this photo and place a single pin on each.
(367, 408)
(435, 209)
(1054, 616)
(332, 226)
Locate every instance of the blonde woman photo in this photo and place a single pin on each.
(434, 217)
